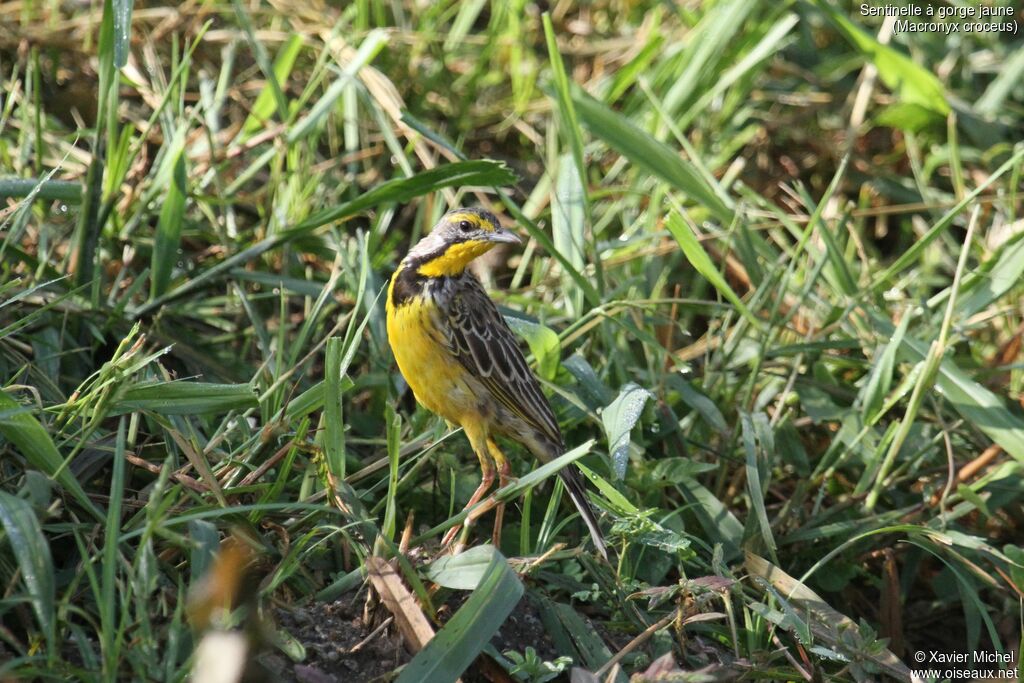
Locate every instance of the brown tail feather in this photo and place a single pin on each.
(573, 480)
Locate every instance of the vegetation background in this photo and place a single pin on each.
(772, 287)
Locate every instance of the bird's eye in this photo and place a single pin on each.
(465, 226)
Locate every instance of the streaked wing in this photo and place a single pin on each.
(482, 342)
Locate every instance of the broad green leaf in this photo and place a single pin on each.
(543, 342)
(619, 503)
(908, 116)
(456, 645)
(32, 551)
(619, 418)
(20, 427)
(463, 571)
(185, 398)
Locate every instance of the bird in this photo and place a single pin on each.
(462, 362)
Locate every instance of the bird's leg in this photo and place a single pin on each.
(504, 470)
(487, 478)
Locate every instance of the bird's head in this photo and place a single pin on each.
(459, 237)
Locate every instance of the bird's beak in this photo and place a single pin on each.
(507, 236)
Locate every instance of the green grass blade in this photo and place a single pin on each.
(1007, 78)
(755, 489)
(266, 102)
(168, 228)
(41, 188)
(32, 551)
(122, 31)
(262, 59)
(368, 49)
(110, 641)
(334, 435)
(568, 223)
(570, 126)
(466, 634)
(914, 252)
(649, 154)
(911, 82)
(22, 429)
(185, 398)
(700, 260)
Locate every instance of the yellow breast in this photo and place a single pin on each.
(439, 382)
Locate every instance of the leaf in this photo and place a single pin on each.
(992, 280)
(30, 547)
(651, 155)
(880, 378)
(1009, 76)
(573, 634)
(825, 623)
(568, 217)
(543, 342)
(266, 103)
(463, 571)
(122, 31)
(22, 429)
(977, 404)
(456, 645)
(333, 418)
(568, 122)
(908, 116)
(704, 406)
(185, 398)
(755, 489)
(168, 227)
(372, 44)
(911, 82)
(719, 524)
(513, 490)
(619, 418)
(41, 188)
(700, 260)
(913, 253)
